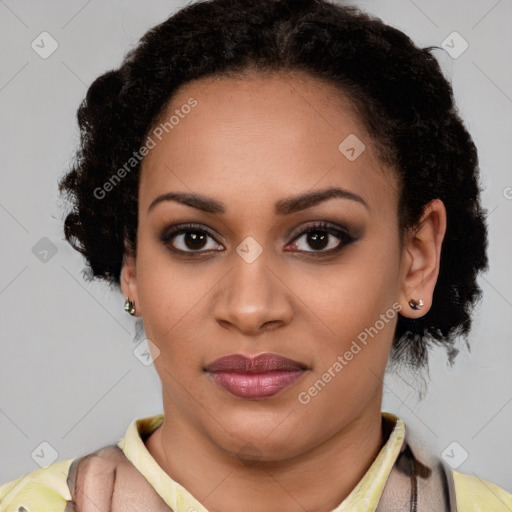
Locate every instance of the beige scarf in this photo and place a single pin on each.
(106, 480)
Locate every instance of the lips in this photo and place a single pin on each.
(262, 363)
(255, 378)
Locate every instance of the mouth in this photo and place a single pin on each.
(255, 378)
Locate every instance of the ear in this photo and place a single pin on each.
(128, 279)
(421, 258)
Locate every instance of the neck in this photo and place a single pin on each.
(317, 481)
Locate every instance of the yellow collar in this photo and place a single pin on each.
(367, 492)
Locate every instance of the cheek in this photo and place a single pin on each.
(354, 317)
(173, 298)
(351, 346)
(162, 284)
(351, 295)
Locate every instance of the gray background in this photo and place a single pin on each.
(68, 374)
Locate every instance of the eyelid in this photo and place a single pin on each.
(327, 226)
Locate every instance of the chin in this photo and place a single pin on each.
(255, 442)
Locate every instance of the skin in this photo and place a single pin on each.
(249, 143)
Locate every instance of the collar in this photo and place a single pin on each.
(365, 496)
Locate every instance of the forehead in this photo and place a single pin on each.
(262, 137)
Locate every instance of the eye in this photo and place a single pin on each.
(189, 238)
(192, 238)
(321, 237)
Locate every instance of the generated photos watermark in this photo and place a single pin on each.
(137, 156)
(304, 397)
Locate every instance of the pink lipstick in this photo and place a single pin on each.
(255, 378)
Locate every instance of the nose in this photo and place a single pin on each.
(252, 298)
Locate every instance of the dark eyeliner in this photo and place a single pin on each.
(341, 233)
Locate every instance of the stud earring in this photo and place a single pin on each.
(129, 305)
(416, 305)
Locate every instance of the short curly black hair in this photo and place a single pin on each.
(397, 88)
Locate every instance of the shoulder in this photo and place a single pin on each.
(101, 480)
(68, 483)
(475, 494)
(44, 490)
(50, 489)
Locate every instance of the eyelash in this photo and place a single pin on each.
(342, 234)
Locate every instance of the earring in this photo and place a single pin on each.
(416, 305)
(129, 305)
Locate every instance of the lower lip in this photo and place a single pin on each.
(256, 385)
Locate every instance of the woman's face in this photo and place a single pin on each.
(246, 279)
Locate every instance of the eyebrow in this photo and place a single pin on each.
(282, 207)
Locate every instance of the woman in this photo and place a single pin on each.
(288, 199)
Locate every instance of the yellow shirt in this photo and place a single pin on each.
(46, 490)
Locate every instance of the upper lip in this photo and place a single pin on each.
(259, 364)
